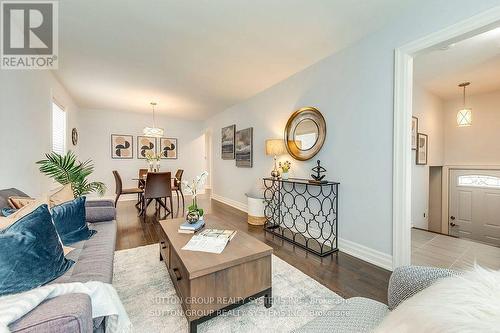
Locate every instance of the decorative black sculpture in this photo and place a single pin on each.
(318, 177)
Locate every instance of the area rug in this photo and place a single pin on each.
(145, 288)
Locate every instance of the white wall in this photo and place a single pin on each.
(208, 157)
(26, 126)
(428, 108)
(478, 144)
(95, 140)
(354, 90)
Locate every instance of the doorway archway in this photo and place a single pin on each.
(403, 83)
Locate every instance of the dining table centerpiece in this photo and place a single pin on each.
(153, 161)
(195, 213)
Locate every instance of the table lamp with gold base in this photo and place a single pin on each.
(275, 147)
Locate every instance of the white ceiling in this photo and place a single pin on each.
(476, 59)
(198, 57)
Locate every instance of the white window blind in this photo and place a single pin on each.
(58, 129)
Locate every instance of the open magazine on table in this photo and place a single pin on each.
(210, 240)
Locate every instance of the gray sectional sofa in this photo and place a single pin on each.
(93, 262)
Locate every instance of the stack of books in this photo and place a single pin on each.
(188, 228)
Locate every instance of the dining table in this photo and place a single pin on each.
(142, 180)
(142, 184)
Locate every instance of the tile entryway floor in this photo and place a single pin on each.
(431, 249)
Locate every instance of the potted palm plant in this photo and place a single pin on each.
(66, 169)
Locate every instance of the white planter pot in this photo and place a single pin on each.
(256, 211)
(284, 175)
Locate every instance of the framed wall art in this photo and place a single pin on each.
(122, 146)
(414, 132)
(74, 136)
(145, 144)
(422, 149)
(244, 148)
(227, 142)
(168, 148)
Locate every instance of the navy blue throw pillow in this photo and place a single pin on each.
(70, 222)
(30, 253)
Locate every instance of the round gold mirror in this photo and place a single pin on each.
(305, 133)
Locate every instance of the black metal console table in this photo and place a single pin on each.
(304, 213)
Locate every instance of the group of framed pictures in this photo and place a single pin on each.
(237, 145)
(122, 147)
(419, 143)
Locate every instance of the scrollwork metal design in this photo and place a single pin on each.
(303, 213)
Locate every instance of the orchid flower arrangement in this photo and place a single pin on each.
(192, 188)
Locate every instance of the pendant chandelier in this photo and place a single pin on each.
(464, 115)
(153, 131)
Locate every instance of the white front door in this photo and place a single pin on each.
(475, 205)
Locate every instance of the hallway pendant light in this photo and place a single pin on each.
(464, 115)
(153, 131)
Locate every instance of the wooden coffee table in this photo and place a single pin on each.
(210, 284)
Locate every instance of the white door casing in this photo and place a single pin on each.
(474, 207)
(403, 82)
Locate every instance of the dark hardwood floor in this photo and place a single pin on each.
(342, 273)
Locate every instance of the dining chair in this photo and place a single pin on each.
(119, 190)
(158, 186)
(177, 187)
(142, 176)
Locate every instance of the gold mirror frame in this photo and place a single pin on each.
(296, 118)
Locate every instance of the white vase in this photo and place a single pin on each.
(284, 175)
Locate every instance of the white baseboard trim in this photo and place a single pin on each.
(365, 253)
(230, 202)
(359, 251)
